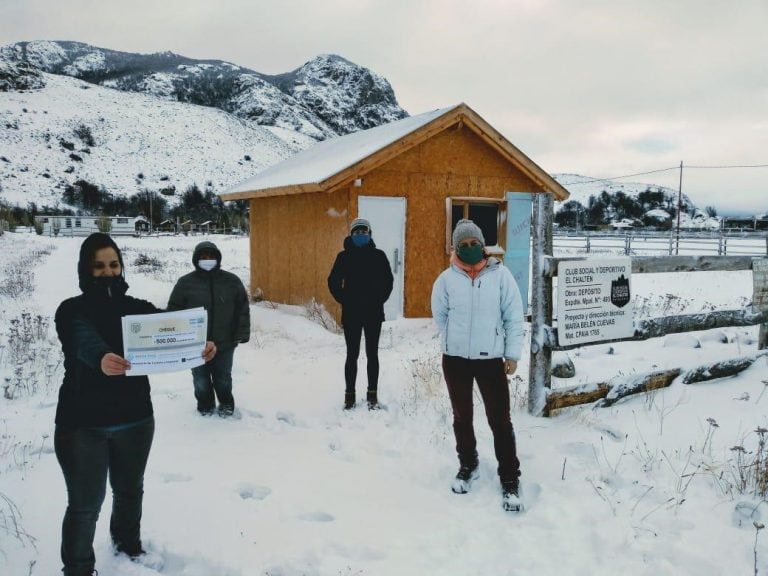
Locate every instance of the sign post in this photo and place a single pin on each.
(594, 301)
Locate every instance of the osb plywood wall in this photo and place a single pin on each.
(294, 242)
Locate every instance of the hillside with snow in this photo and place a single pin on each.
(139, 142)
(585, 190)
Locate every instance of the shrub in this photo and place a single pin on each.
(84, 133)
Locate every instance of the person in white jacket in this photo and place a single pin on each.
(477, 306)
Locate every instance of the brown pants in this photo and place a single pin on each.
(460, 374)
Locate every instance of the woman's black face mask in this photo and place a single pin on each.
(106, 287)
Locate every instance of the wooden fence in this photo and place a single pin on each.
(542, 399)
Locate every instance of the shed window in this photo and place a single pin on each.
(122, 220)
(489, 214)
(68, 222)
(77, 223)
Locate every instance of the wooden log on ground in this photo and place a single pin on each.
(637, 384)
(575, 395)
(721, 369)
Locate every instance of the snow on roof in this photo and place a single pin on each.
(335, 154)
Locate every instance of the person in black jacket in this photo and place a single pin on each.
(361, 281)
(104, 419)
(223, 295)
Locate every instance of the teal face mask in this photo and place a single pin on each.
(470, 254)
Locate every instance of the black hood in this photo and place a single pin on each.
(349, 245)
(210, 246)
(88, 249)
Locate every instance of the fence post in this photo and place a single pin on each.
(760, 296)
(725, 246)
(589, 246)
(540, 370)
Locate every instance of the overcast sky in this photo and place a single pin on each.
(602, 88)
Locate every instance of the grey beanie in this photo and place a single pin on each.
(467, 229)
(359, 223)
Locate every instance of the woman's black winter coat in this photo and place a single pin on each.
(361, 281)
(89, 326)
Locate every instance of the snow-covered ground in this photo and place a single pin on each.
(654, 485)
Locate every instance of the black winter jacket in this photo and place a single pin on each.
(361, 281)
(89, 327)
(222, 294)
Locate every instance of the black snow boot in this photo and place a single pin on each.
(373, 400)
(510, 496)
(349, 400)
(464, 478)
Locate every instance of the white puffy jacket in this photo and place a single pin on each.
(480, 318)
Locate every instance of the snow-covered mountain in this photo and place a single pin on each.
(328, 96)
(162, 122)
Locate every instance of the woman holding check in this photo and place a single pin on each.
(104, 419)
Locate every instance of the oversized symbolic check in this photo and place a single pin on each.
(164, 342)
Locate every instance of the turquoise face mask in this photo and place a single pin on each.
(470, 254)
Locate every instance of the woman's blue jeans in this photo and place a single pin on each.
(88, 456)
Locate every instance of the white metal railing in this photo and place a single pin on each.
(641, 242)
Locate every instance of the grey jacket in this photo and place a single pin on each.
(221, 293)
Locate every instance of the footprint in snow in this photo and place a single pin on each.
(317, 517)
(173, 477)
(287, 417)
(253, 492)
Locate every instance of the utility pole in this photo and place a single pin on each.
(149, 193)
(679, 208)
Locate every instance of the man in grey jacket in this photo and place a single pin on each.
(223, 295)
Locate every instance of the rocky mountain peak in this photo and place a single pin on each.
(326, 97)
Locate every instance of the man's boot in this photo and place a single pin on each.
(349, 400)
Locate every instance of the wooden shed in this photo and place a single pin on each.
(413, 179)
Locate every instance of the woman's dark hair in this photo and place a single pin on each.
(88, 249)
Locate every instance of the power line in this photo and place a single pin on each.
(713, 167)
(574, 183)
(731, 166)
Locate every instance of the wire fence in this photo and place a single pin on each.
(649, 243)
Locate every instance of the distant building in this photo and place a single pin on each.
(57, 225)
(746, 224)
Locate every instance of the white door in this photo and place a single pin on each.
(387, 218)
